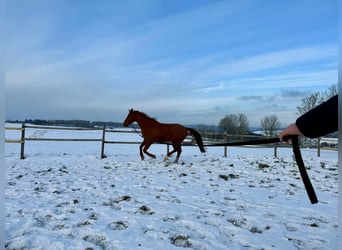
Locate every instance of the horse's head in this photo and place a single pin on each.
(130, 118)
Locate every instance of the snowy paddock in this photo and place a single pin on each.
(63, 196)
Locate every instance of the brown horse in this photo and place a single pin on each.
(154, 131)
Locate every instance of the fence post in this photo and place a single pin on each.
(319, 147)
(22, 142)
(225, 136)
(103, 142)
(275, 150)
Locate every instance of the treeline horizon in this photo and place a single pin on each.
(69, 123)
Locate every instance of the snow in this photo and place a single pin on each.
(63, 196)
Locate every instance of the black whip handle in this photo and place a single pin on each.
(306, 180)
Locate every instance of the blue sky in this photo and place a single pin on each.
(189, 62)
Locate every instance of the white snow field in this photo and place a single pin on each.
(63, 196)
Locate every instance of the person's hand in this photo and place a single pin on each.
(290, 130)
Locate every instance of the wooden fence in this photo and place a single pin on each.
(23, 138)
(211, 138)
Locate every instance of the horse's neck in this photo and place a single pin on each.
(146, 122)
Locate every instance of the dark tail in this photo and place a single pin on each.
(198, 139)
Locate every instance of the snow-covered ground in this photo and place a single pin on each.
(63, 196)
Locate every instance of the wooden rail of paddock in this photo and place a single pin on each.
(103, 140)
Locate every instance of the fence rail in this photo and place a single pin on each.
(209, 136)
(59, 139)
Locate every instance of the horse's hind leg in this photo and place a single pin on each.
(169, 154)
(178, 148)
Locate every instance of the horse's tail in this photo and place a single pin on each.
(198, 139)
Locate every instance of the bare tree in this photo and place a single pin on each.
(234, 124)
(330, 92)
(243, 124)
(309, 102)
(270, 125)
(316, 98)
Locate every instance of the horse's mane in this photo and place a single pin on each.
(147, 116)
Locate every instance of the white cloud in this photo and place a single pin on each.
(194, 61)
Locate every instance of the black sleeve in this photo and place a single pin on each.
(321, 120)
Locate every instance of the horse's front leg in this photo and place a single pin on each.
(145, 147)
(141, 150)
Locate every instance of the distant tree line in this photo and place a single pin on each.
(70, 123)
